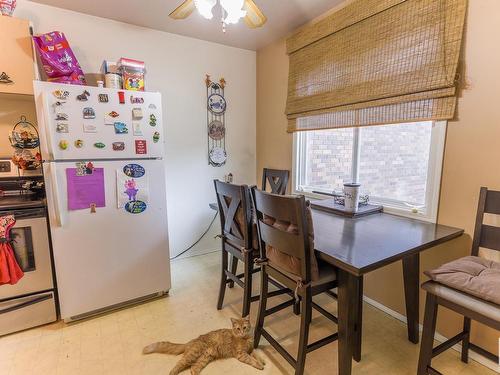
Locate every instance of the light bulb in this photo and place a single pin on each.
(234, 10)
(205, 7)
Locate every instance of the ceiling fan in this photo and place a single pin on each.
(232, 11)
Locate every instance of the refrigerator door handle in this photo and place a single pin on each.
(48, 129)
(55, 194)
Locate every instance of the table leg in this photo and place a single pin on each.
(411, 273)
(347, 297)
(358, 327)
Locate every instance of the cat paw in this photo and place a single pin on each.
(260, 366)
(148, 349)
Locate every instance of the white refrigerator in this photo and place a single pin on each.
(102, 152)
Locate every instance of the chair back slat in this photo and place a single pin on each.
(486, 236)
(492, 205)
(277, 179)
(279, 239)
(234, 212)
(269, 206)
(490, 237)
(276, 216)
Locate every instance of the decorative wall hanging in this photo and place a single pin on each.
(216, 122)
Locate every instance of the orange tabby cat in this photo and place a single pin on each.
(223, 343)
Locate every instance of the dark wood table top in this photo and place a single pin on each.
(360, 245)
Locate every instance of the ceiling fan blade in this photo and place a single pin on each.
(254, 18)
(183, 10)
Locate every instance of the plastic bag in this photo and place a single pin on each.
(59, 62)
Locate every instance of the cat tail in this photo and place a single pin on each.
(164, 347)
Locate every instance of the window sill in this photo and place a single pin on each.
(389, 209)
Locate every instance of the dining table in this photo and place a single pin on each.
(362, 244)
(359, 245)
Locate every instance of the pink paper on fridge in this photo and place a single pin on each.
(85, 191)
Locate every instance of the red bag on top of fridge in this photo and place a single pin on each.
(59, 61)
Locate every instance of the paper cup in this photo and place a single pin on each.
(351, 197)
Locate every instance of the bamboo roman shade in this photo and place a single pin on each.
(376, 62)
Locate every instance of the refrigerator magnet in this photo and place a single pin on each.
(137, 114)
(103, 98)
(152, 106)
(141, 147)
(88, 113)
(121, 97)
(78, 143)
(63, 144)
(61, 94)
(136, 100)
(61, 117)
(89, 128)
(120, 128)
(152, 119)
(134, 170)
(84, 169)
(83, 97)
(136, 128)
(135, 207)
(156, 137)
(62, 127)
(118, 146)
(109, 119)
(99, 145)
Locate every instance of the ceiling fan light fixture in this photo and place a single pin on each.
(205, 7)
(233, 10)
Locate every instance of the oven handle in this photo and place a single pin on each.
(55, 194)
(27, 303)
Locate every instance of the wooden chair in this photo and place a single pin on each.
(295, 241)
(471, 307)
(278, 180)
(239, 238)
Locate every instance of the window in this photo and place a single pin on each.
(399, 166)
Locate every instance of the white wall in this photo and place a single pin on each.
(176, 66)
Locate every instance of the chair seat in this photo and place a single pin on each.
(467, 301)
(472, 275)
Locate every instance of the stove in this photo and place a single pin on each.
(32, 300)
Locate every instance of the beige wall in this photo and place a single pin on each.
(471, 158)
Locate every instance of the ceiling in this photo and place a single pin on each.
(284, 16)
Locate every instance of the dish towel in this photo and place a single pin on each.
(10, 272)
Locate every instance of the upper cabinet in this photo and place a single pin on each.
(16, 59)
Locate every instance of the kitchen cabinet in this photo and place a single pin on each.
(16, 59)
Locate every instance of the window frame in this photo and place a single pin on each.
(436, 156)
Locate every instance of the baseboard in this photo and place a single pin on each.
(438, 337)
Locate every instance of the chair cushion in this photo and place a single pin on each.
(472, 275)
(484, 308)
(289, 263)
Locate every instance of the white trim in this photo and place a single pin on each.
(438, 337)
(436, 154)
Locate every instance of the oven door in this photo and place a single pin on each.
(32, 251)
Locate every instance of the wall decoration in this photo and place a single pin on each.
(216, 122)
